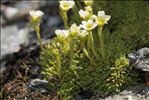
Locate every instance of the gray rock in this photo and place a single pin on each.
(11, 12)
(34, 4)
(38, 82)
(144, 52)
(140, 59)
(26, 5)
(137, 92)
(20, 9)
(12, 37)
(38, 85)
(54, 21)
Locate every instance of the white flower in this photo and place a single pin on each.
(83, 33)
(88, 2)
(62, 33)
(66, 5)
(36, 15)
(74, 29)
(88, 25)
(102, 18)
(89, 9)
(93, 17)
(84, 14)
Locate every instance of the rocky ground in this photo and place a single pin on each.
(137, 92)
(18, 42)
(16, 32)
(15, 27)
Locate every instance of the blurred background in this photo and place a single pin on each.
(15, 27)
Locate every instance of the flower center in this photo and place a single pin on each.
(89, 25)
(101, 21)
(66, 5)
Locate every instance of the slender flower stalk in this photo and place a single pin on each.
(35, 22)
(65, 18)
(74, 30)
(37, 29)
(64, 7)
(58, 59)
(101, 20)
(85, 52)
(89, 26)
(92, 46)
(83, 34)
(62, 35)
(101, 44)
(82, 37)
(71, 52)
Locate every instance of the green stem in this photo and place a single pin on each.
(82, 41)
(71, 51)
(84, 49)
(37, 29)
(88, 43)
(58, 59)
(101, 41)
(65, 18)
(87, 55)
(92, 44)
(85, 52)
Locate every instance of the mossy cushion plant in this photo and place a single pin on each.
(84, 56)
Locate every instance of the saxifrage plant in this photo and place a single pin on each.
(79, 57)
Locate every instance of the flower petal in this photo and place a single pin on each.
(107, 18)
(101, 13)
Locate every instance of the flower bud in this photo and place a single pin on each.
(84, 14)
(89, 9)
(88, 2)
